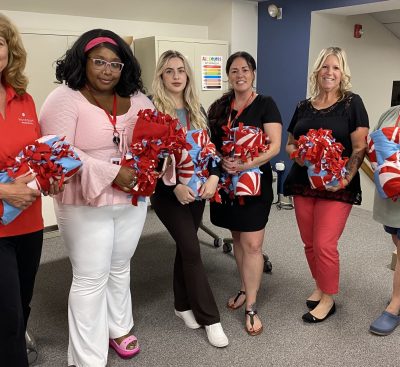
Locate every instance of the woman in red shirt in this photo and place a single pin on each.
(20, 240)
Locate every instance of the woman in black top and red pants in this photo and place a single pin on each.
(246, 220)
(322, 214)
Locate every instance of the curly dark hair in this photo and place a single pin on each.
(219, 111)
(71, 68)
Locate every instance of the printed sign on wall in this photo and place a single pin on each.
(211, 72)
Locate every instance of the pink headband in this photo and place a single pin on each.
(95, 41)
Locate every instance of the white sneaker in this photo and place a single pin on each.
(188, 318)
(216, 335)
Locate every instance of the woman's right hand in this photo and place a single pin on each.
(291, 146)
(18, 194)
(126, 178)
(184, 194)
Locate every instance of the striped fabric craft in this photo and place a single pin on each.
(383, 152)
(244, 142)
(192, 168)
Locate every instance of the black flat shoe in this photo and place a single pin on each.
(308, 317)
(312, 304)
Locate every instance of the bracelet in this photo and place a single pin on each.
(133, 183)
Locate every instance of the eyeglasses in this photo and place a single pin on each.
(100, 64)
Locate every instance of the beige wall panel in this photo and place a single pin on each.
(43, 51)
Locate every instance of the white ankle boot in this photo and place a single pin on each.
(188, 318)
(216, 335)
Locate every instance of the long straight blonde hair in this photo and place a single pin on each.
(162, 99)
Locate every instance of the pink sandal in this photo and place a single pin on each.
(122, 350)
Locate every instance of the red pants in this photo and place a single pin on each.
(321, 223)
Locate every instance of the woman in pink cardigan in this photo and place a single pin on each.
(96, 110)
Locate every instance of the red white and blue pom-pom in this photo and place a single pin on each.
(50, 158)
(323, 157)
(192, 167)
(155, 136)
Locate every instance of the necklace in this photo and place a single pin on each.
(232, 122)
(113, 119)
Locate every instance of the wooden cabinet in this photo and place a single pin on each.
(149, 49)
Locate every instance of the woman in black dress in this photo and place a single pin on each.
(322, 214)
(246, 220)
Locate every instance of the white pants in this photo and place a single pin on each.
(100, 243)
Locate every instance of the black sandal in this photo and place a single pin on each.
(232, 306)
(252, 332)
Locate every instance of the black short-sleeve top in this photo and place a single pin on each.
(343, 118)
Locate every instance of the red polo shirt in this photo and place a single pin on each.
(19, 128)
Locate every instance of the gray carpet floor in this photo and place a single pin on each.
(343, 340)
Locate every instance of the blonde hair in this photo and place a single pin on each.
(13, 73)
(345, 85)
(163, 101)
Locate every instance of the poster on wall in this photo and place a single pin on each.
(211, 72)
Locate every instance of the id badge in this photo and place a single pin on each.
(116, 160)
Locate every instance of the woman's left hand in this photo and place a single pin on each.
(55, 188)
(207, 190)
(233, 165)
(126, 178)
(339, 186)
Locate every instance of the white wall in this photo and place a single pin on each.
(219, 27)
(74, 25)
(238, 25)
(374, 64)
(244, 33)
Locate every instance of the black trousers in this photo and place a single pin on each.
(19, 262)
(191, 288)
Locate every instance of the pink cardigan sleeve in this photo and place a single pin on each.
(59, 115)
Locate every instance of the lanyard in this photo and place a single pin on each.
(113, 118)
(231, 123)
